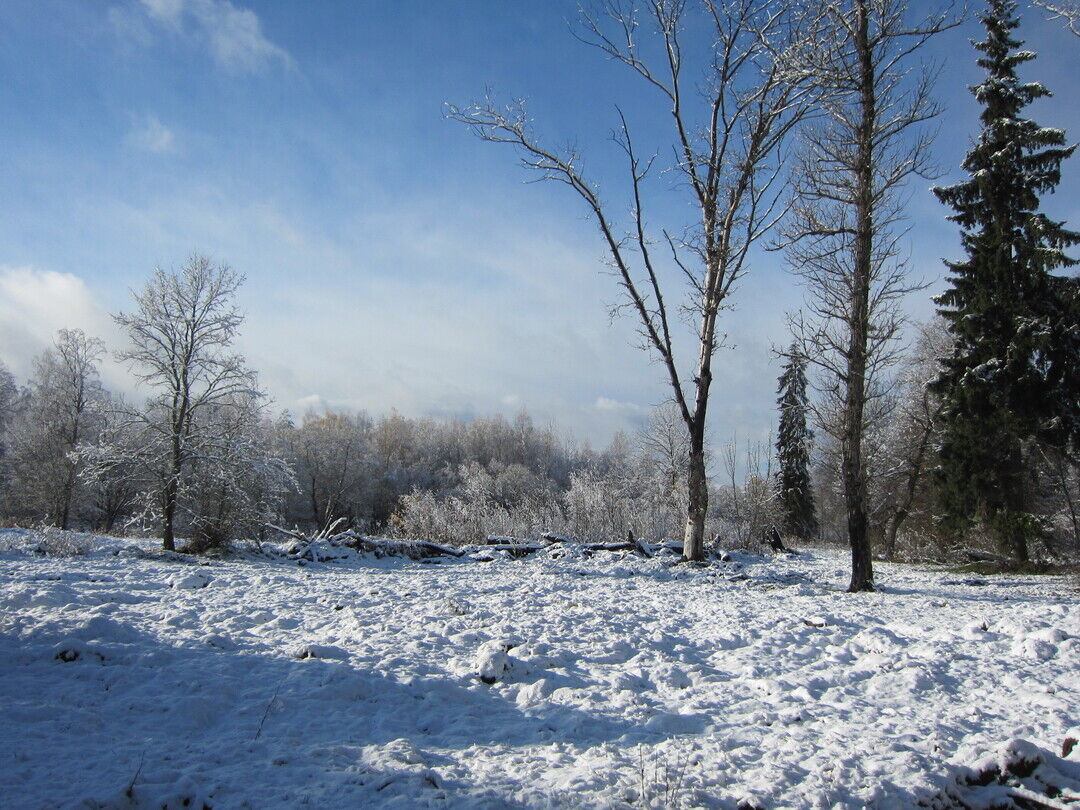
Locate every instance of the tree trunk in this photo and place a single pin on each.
(698, 486)
(892, 528)
(170, 495)
(68, 493)
(854, 473)
(1063, 473)
(1010, 523)
(69, 481)
(168, 541)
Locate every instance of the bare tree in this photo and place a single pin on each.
(239, 481)
(184, 324)
(335, 464)
(843, 235)
(112, 478)
(725, 153)
(11, 401)
(751, 506)
(1066, 10)
(909, 437)
(664, 448)
(9, 397)
(66, 408)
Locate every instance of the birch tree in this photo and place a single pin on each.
(844, 235)
(729, 118)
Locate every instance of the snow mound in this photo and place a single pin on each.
(189, 582)
(493, 662)
(326, 651)
(1020, 775)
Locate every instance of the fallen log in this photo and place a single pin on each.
(642, 546)
(514, 549)
(414, 549)
(381, 547)
(551, 537)
(657, 548)
(499, 540)
(618, 546)
(974, 555)
(295, 535)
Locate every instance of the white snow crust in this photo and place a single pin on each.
(134, 679)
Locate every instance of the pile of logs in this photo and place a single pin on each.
(380, 547)
(305, 545)
(517, 547)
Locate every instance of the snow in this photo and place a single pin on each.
(129, 678)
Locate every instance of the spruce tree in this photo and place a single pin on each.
(793, 451)
(1011, 380)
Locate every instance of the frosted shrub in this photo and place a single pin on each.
(55, 542)
(506, 503)
(511, 502)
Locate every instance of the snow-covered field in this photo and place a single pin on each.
(129, 680)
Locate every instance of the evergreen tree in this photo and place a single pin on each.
(1012, 378)
(793, 451)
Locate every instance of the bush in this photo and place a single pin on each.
(55, 542)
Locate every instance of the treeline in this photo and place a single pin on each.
(76, 456)
(970, 438)
(204, 459)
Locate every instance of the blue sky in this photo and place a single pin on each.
(392, 260)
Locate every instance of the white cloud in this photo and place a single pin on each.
(233, 35)
(151, 135)
(409, 308)
(312, 402)
(169, 11)
(34, 304)
(615, 406)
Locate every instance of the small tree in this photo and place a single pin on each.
(239, 480)
(1012, 378)
(664, 448)
(110, 468)
(11, 403)
(66, 409)
(793, 442)
(180, 332)
(909, 436)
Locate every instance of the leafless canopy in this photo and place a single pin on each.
(844, 234)
(729, 120)
(1066, 10)
(819, 235)
(181, 332)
